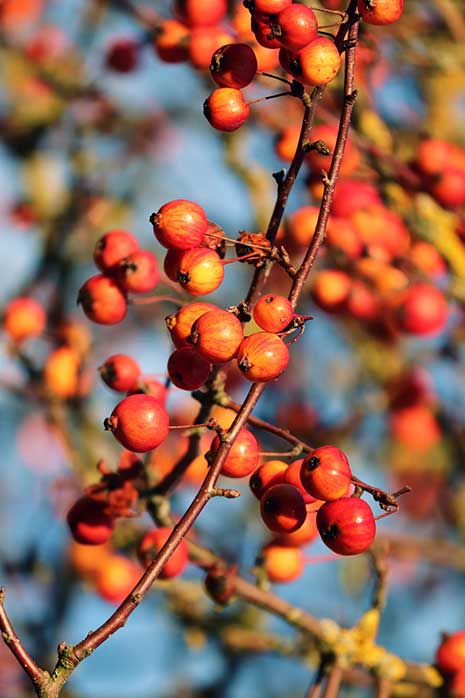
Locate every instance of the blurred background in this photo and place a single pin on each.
(99, 130)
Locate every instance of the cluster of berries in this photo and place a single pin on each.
(125, 268)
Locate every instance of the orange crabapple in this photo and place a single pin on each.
(273, 313)
(120, 372)
(148, 385)
(422, 310)
(102, 300)
(450, 655)
(346, 525)
(226, 109)
(61, 373)
(282, 508)
(139, 422)
(380, 12)
(179, 224)
(88, 522)
(200, 13)
(243, 456)
(331, 289)
(217, 335)
(180, 323)
(171, 40)
(270, 7)
(200, 271)
(112, 247)
(187, 369)
(263, 31)
(171, 263)
(301, 225)
(116, 578)
(281, 563)
(325, 473)
(151, 544)
(24, 318)
(298, 26)
(233, 65)
(316, 64)
(262, 357)
(138, 272)
(269, 473)
(293, 477)
(303, 535)
(204, 41)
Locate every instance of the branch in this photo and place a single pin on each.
(15, 646)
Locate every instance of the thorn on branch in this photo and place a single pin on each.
(279, 177)
(350, 99)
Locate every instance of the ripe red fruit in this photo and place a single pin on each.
(139, 423)
(116, 578)
(331, 289)
(153, 542)
(171, 41)
(263, 31)
(200, 271)
(299, 26)
(343, 239)
(450, 655)
(180, 224)
(171, 263)
(347, 525)
(381, 11)
(200, 13)
(301, 224)
(423, 310)
(456, 686)
(88, 522)
(302, 536)
(293, 477)
(262, 357)
(187, 369)
(120, 372)
(138, 272)
(316, 64)
(282, 508)
(270, 473)
(351, 195)
(112, 247)
(102, 300)
(325, 473)
(150, 386)
(242, 458)
(225, 109)
(415, 426)
(282, 564)
(216, 335)
(122, 55)
(271, 7)
(180, 324)
(449, 188)
(204, 41)
(24, 318)
(233, 65)
(273, 313)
